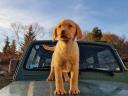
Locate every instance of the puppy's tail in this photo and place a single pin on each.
(49, 48)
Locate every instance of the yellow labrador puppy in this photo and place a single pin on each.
(66, 56)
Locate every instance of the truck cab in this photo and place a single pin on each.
(101, 71)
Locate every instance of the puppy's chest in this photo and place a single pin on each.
(67, 63)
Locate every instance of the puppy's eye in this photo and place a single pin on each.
(69, 25)
(59, 26)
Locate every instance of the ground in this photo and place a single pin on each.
(5, 77)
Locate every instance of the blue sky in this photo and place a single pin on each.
(109, 15)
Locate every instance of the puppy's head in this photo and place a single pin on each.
(67, 30)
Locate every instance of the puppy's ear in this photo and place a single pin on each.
(78, 32)
(54, 34)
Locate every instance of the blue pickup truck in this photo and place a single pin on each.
(101, 72)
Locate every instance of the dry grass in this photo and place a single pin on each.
(5, 77)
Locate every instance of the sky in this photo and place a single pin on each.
(109, 15)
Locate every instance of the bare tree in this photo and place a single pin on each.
(27, 32)
(17, 27)
(36, 28)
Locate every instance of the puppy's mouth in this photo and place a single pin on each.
(63, 37)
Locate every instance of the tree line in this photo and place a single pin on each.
(33, 30)
(119, 43)
(13, 50)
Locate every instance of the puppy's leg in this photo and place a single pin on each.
(59, 81)
(51, 75)
(74, 81)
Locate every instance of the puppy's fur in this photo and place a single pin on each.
(66, 56)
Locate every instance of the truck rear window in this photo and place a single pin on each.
(91, 56)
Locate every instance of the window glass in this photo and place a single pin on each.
(39, 58)
(91, 56)
(97, 57)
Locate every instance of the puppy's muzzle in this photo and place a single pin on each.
(62, 32)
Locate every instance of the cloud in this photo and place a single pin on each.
(8, 16)
(25, 17)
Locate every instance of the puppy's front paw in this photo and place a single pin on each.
(74, 91)
(60, 92)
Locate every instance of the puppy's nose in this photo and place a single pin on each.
(62, 32)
